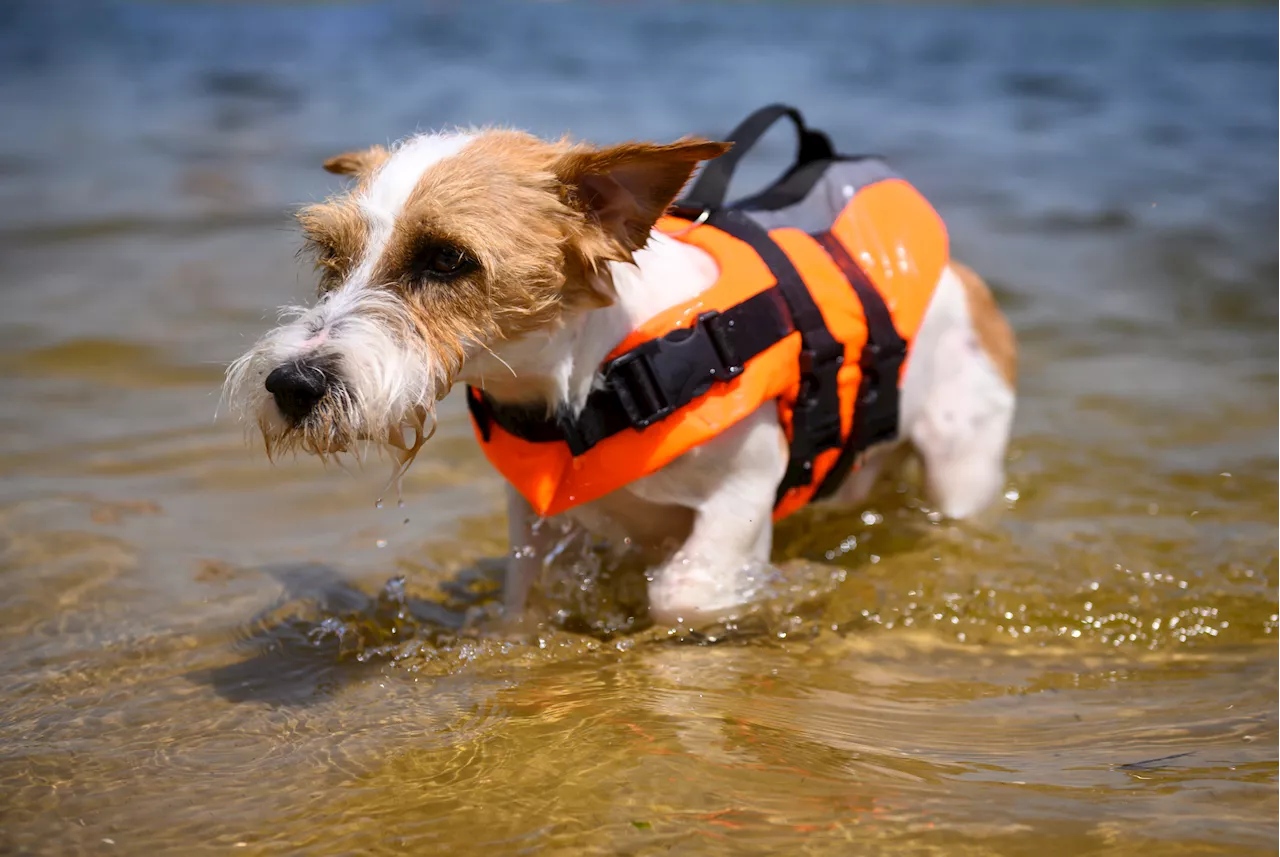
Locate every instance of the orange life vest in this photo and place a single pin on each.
(820, 323)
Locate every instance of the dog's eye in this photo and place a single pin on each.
(328, 263)
(442, 262)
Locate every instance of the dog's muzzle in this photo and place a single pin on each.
(297, 388)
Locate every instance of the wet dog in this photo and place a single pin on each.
(516, 265)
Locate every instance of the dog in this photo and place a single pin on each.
(516, 265)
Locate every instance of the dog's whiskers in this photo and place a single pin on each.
(495, 356)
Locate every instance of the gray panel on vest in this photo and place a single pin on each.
(827, 198)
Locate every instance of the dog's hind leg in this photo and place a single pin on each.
(876, 462)
(960, 412)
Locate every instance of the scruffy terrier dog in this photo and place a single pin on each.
(517, 266)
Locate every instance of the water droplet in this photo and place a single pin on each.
(382, 543)
(378, 504)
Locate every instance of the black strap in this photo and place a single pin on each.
(875, 418)
(789, 190)
(711, 188)
(653, 379)
(816, 415)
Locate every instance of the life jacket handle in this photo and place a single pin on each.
(712, 186)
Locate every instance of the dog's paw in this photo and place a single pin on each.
(693, 591)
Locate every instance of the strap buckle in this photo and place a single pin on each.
(877, 395)
(818, 405)
(815, 417)
(573, 436)
(653, 379)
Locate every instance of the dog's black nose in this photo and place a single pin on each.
(297, 387)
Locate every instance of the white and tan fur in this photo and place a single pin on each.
(563, 266)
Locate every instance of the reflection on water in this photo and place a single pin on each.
(201, 651)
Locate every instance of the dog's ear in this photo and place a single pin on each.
(626, 188)
(360, 163)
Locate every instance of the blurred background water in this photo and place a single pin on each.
(199, 651)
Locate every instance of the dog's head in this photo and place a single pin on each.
(445, 246)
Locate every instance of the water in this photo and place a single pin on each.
(202, 652)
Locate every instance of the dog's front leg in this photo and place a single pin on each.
(730, 483)
(529, 544)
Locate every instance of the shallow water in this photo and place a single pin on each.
(201, 652)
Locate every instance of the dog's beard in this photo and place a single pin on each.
(383, 394)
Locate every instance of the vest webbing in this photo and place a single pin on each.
(649, 382)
